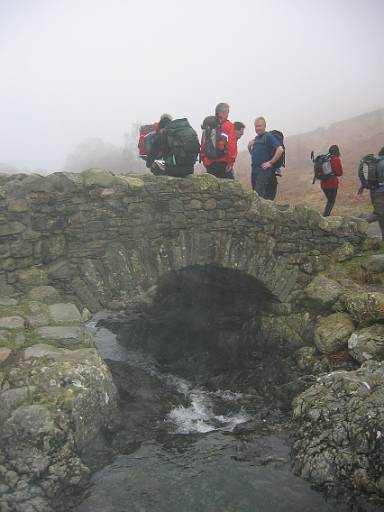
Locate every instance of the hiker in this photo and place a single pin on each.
(175, 148)
(218, 143)
(374, 181)
(330, 185)
(239, 129)
(267, 152)
(155, 156)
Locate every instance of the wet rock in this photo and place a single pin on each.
(332, 332)
(367, 343)
(364, 307)
(338, 430)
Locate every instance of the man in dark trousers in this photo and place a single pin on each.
(266, 151)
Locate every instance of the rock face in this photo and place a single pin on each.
(339, 429)
(55, 404)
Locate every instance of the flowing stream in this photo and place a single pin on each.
(212, 451)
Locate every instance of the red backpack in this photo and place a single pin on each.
(146, 134)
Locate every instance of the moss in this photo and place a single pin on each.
(352, 268)
(55, 400)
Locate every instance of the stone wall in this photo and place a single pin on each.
(101, 237)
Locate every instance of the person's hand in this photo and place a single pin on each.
(266, 165)
(250, 145)
(229, 168)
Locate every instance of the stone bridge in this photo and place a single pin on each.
(100, 237)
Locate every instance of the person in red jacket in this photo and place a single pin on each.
(330, 186)
(222, 167)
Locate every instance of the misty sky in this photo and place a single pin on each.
(71, 69)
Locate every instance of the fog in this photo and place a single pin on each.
(92, 68)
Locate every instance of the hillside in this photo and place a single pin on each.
(356, 137)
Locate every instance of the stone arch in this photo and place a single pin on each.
(103, 236)
(127, 269)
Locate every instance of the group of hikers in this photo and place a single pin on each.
(171, 147)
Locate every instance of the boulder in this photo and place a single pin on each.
(32, 277)
(8, 301)
(332, 332)
(338, 429)
(12, 322)
(322, 293)
(64, 313)
(307, 359)
(13, 398)
(345, 252)
(364, 307)
(374, 263)
(294, 331)
(367, 343)
(45, 294)
(68, 335)
(4, 354)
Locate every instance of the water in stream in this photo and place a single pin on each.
(202, 456)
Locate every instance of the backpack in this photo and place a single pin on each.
(146, 135)
(322, 169)
(280, 138)
(374, 167)
(214, 142)
(182, 144)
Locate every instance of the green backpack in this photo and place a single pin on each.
(182, 144)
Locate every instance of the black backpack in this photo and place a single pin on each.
(213, 144)
(182, 143)
(322, 169)
(280, 138)
(373, 170)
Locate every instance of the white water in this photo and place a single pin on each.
(199, 415)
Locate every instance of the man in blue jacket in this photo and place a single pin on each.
(266, 151)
